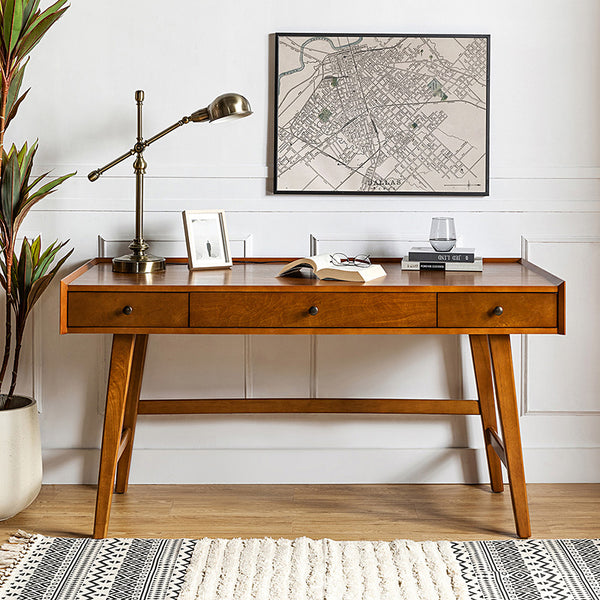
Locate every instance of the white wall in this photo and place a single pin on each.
(544, 204)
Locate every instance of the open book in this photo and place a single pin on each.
(323, 268)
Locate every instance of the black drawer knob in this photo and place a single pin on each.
(127, 310)
(498, 311)
(313, 310)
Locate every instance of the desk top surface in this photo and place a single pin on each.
(498, 274)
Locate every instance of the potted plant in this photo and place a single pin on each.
(25, 274)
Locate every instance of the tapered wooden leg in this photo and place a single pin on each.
(480, 350)
(131, 410)
(118, 381)
(508, 412)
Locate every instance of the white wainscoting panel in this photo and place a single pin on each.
(576, 355)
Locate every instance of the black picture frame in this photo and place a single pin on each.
(381, 114)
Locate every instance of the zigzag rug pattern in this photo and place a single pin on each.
(34, 567)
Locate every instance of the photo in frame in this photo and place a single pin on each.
(206, 239)
(381, 114)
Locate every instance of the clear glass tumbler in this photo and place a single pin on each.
(443, 234)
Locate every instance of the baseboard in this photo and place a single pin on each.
(406, 465)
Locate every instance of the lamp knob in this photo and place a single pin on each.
(498, 311)
(313, 310)
(127, 310)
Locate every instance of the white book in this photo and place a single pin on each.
(323, 268)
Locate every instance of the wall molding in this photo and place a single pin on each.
(321, 465)
(526, 242)
(261, 171)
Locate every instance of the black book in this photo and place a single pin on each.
(428, 254)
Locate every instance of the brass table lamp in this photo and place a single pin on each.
(139, 261)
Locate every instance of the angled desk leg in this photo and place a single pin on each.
(131, 410)
(480, 350)
(506, 397)
(116, 395)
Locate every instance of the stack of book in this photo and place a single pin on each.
(428, 259)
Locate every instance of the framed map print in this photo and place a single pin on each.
(381, 114)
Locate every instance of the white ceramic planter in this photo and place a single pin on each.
(20, 457)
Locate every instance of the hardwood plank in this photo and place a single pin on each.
(386, 512)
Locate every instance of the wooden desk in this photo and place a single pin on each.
(509, 296)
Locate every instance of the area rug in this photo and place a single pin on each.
(35, 567)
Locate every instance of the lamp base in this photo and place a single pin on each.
(132, 263)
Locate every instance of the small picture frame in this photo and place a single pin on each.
(206, 239)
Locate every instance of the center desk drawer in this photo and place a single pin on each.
(333, 309)
(502, 309)
(127, 309)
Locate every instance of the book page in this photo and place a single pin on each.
(322, 261)
(314, 262)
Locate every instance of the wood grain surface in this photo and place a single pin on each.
(500, 276)
(341, 512)
(264, 309)
(476, 309)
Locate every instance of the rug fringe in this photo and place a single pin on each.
(13, 552)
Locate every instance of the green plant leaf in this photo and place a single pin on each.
(35, 249)
(21, 154)
(53, 8)
(29, 10)
(26, 165)
(15, 107)
(52, 184)
(24, 269)
(13, 21)
(15, 86)
(48, 256)
(37, 16)
(26, 204)
(11, 185)
(39, 286)
(32, 38)
(36, 181)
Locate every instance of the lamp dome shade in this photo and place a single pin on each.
(223, 107)
(229, 105)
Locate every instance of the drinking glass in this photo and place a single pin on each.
(443, 235)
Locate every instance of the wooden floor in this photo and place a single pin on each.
(342, 512)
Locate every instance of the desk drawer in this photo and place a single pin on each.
(477, 309)
(285, 309)
(108, 309)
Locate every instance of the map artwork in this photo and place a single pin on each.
(381, 114)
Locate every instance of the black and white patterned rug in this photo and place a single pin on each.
(34, 567)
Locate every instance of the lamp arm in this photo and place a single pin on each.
(93, 176)
(166, 131)
(139, 147)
